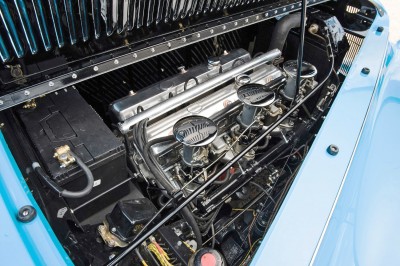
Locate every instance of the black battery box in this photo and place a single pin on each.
(65, 118)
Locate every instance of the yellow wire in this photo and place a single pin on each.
(248, 253)
(161, 256)
(243, 210)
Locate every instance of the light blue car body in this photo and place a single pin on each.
(340, 210)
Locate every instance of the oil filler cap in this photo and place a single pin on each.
(256, 95)
(207, 257)
(195, 131)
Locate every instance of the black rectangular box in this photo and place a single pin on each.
(65, 118)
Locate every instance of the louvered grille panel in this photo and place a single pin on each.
(30, 26)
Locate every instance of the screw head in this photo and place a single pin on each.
(26, 214)
(113, 229)
(333, 150)
(51, 83)
(96, 68)
(74, 76)
(365, 71)
(380, 29)
(116, 61)
(26, 93)
(135, 55)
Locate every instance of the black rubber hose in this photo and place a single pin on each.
(282, 29)
(61, 191)
(162, 179)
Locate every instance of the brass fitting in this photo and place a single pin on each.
(64, 156)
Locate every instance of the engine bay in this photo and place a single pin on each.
(184, 159)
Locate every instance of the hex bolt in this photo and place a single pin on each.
(211, 31)
(134, 55)
(26, 93)
(333, 150)
(113, 229)
(198, 35)
(169, 45)
(74, 76)
(96, 68)
(184, 39)
(365, 71)
(152, 50)
(116, 61)
(51, 83)
(380, 29)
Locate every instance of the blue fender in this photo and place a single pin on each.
(343, 210)
(32, 243)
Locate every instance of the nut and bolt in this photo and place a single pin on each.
(26, 214)
(366, 71)
(333, 150)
